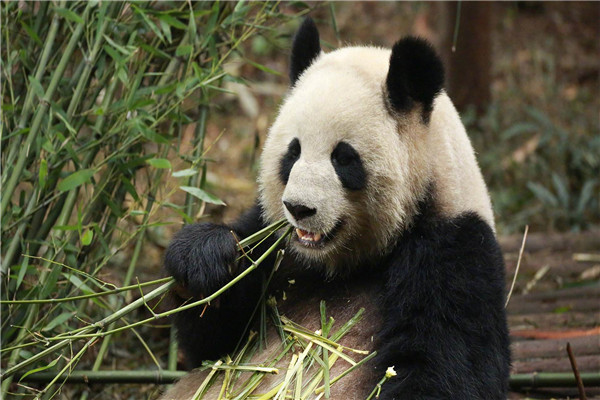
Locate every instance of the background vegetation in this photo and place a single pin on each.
(120, 121)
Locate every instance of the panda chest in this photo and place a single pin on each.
(350, 303)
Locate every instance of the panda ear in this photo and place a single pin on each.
(305, 49)
(416, 74)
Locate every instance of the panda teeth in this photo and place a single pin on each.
(308, 236)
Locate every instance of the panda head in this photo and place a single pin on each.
(347, 159)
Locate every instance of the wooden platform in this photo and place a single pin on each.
(556, 301)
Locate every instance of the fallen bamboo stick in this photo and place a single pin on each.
(517, 381)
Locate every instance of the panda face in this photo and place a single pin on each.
(334, 164)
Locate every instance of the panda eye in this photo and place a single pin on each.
(294, 149)
(348, 166)
(344, 155)
(288, 160)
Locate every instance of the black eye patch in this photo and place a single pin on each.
(289, 159)
(348, 166)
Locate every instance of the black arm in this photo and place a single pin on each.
(445, 331)
(202, 259)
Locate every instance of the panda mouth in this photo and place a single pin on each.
(309, 238)
(316, 239)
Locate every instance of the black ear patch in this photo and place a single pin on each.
(416, 74)
(305, 48)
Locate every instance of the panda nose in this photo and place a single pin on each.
(299, 211)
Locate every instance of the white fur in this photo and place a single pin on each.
(341, 97)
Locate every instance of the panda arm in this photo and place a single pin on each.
(202, 259)
(445, 331)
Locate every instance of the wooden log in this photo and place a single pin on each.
(554, 348)
(577, 242)
(590, 363)
(521, 305)
(553, 320)
(541, 334)
(588, 291)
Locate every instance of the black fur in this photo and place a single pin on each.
(442, 303)
(416, 74)
(445, 326)
(348, 166)
(288, 160)
(305, 48)
(201, 258)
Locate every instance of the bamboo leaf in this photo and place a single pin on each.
(60, 319)
(69, 15)
(43, 173)
(36, 86)
(184, 172)
(174, 22)
(31, 33)
(33, 371)
(161, 163)
(202, 195)
(184, 50)
(76, 179)
(87, 237)
(585, 196)
(263, 68)
(543, 194)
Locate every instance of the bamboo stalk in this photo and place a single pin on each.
(81, 333)
(15, 175)
(65, 340)
(552, 379)
(517, 381)
(88, 296)
(28, 104)
(106, 377)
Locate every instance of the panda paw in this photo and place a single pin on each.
(201, 258)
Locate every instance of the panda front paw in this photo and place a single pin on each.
(201, 258)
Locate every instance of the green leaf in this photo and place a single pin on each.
(43, 174)
(174, 22)
(184, 50)
(184, 172)
(68, 14)
(150, 24)
(60, 319)
(263, 68)
(31, 33)
(87, 237)
(561, 190)
(76, 179)
(127, 51)
(202, 195)
(166, 30)
(543, 194)
(33, 371)
(36, 86)
(65, 227)
(162, 163)
(587, 192)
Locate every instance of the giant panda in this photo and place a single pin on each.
(369, 162)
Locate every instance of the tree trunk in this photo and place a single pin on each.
(468, 65)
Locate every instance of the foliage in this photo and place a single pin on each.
(538, 172)
(96, 97)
